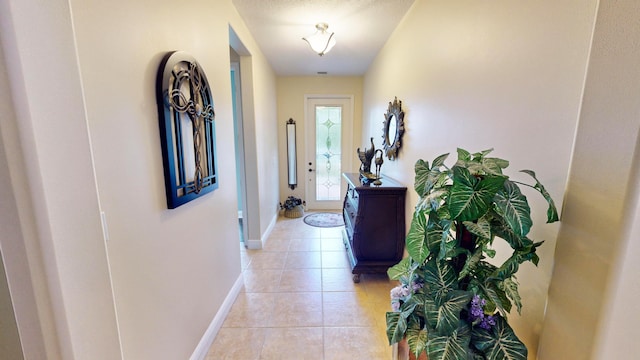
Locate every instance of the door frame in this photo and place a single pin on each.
(241, 173)
(251, 212)
(347, 145)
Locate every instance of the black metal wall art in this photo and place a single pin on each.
(292, 169)
(187, 129)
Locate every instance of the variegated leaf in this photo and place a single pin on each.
(444, 315)
(439, 161)
(434, 177)
(489, 251)
(433, 199)
(438, 234)
(512, 205)
(512, 264)
(396, 327)
(417, 340)
(471, 263)
(504, 231)
(440, 277)
(416, 243)
(500, 342)
(423, 204)
(448, 248)
(494, 165)
(552, 211)
(496, 297)
(401, 269)
(453, 347)
(421, 170)
(475, 168)
(471, 197)
(510, 287)
(480, 155)
(463, 155)
(481, 229)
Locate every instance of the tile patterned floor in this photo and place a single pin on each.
(299, 302)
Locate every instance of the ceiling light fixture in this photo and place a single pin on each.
(322, 41)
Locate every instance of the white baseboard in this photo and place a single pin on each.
(267, 232)
(253, 244)
(259, 244)
(200, 353)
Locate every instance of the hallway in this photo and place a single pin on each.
(299, 302)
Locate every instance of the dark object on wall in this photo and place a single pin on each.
(187, 129)
(373, 225)
(393, 129)
(291, 154)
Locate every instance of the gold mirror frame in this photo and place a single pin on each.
(394, 116)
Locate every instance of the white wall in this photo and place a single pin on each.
(171, 268)
(617, 335)
(19, 240)
(592, 311)
(265, 103)
(478, 75)
(91, 140)
(57, 204)
(291, 104)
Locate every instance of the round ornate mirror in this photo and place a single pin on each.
(393, 129)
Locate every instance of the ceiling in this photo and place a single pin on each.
(361, 29)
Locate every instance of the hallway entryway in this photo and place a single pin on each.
(299, 302)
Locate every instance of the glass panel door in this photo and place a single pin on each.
(328, 152)
(328, 129)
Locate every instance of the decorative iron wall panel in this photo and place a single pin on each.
(187, 129)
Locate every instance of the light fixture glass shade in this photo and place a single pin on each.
(322, 41)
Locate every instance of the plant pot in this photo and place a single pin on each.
(403, 352)
(295, 212)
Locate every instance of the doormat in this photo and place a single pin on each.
(324, 219)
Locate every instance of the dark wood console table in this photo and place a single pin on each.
(374, 224)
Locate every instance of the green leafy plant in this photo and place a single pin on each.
(451, 303)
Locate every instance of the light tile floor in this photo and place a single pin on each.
(299, 302)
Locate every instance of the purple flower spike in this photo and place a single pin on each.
(476, 313)
(396, 293)
(395, 306)
(417, 286)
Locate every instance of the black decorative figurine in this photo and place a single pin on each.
(365, 158)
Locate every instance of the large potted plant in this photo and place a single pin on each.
(451, 302)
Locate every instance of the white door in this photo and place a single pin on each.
(328, 123)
